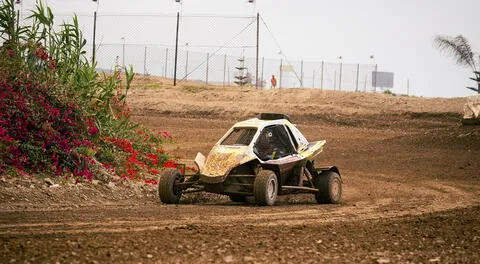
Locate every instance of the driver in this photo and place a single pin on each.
(268, 145)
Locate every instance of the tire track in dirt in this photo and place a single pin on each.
(435, 196)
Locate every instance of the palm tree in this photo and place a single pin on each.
(459, 48)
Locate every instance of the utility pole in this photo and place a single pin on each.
(176, 51)
(94, 33)
(258, 41)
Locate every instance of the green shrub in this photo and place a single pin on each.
(57, 114)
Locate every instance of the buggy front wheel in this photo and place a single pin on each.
(265, 187)
(329, 187)
(168, 192)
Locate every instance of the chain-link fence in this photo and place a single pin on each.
(219, 50)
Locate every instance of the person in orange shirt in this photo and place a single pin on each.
(273, 81)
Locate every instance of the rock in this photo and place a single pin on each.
(95, 182)
(54, 186)
(437, 259)
(48, 181)
(228, 259)
(116, 178)
(111, 184)
(383, 260)
(248, 259)
(149, 256)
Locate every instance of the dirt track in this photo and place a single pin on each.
(411, 189)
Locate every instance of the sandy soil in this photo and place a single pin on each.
(411, 188)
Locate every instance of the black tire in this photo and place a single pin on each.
(265, 187)
(329, 187)
(166, 186)
(237, 198)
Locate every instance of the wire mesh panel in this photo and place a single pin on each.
(219, 50)
(218, 33)
(213, 45)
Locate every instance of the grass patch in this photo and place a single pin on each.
(194, 89)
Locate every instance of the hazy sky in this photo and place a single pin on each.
(399, 33)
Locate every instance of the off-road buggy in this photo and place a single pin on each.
(260, 157)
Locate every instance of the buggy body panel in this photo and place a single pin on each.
(313, 149)
(221, 160)
(278, 154)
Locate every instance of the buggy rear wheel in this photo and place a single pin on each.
(329, 187)
(167, 191)
(265, 187)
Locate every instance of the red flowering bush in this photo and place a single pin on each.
(57, 115)
(137, 158)
(40, 133)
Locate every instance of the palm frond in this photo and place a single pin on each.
(474, 89)
(458, 47)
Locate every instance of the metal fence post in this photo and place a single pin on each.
(166, 63)
(224, 68)
(208, 58)
(280, 75)
(356, 84)
(340, 77)
(321, 77)
(301, 73)
(408, 87)
(145, 61)
(313, 79)
(186, 67)
(263, 65)
(335, 80)
(123, 54)
(365, 83)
